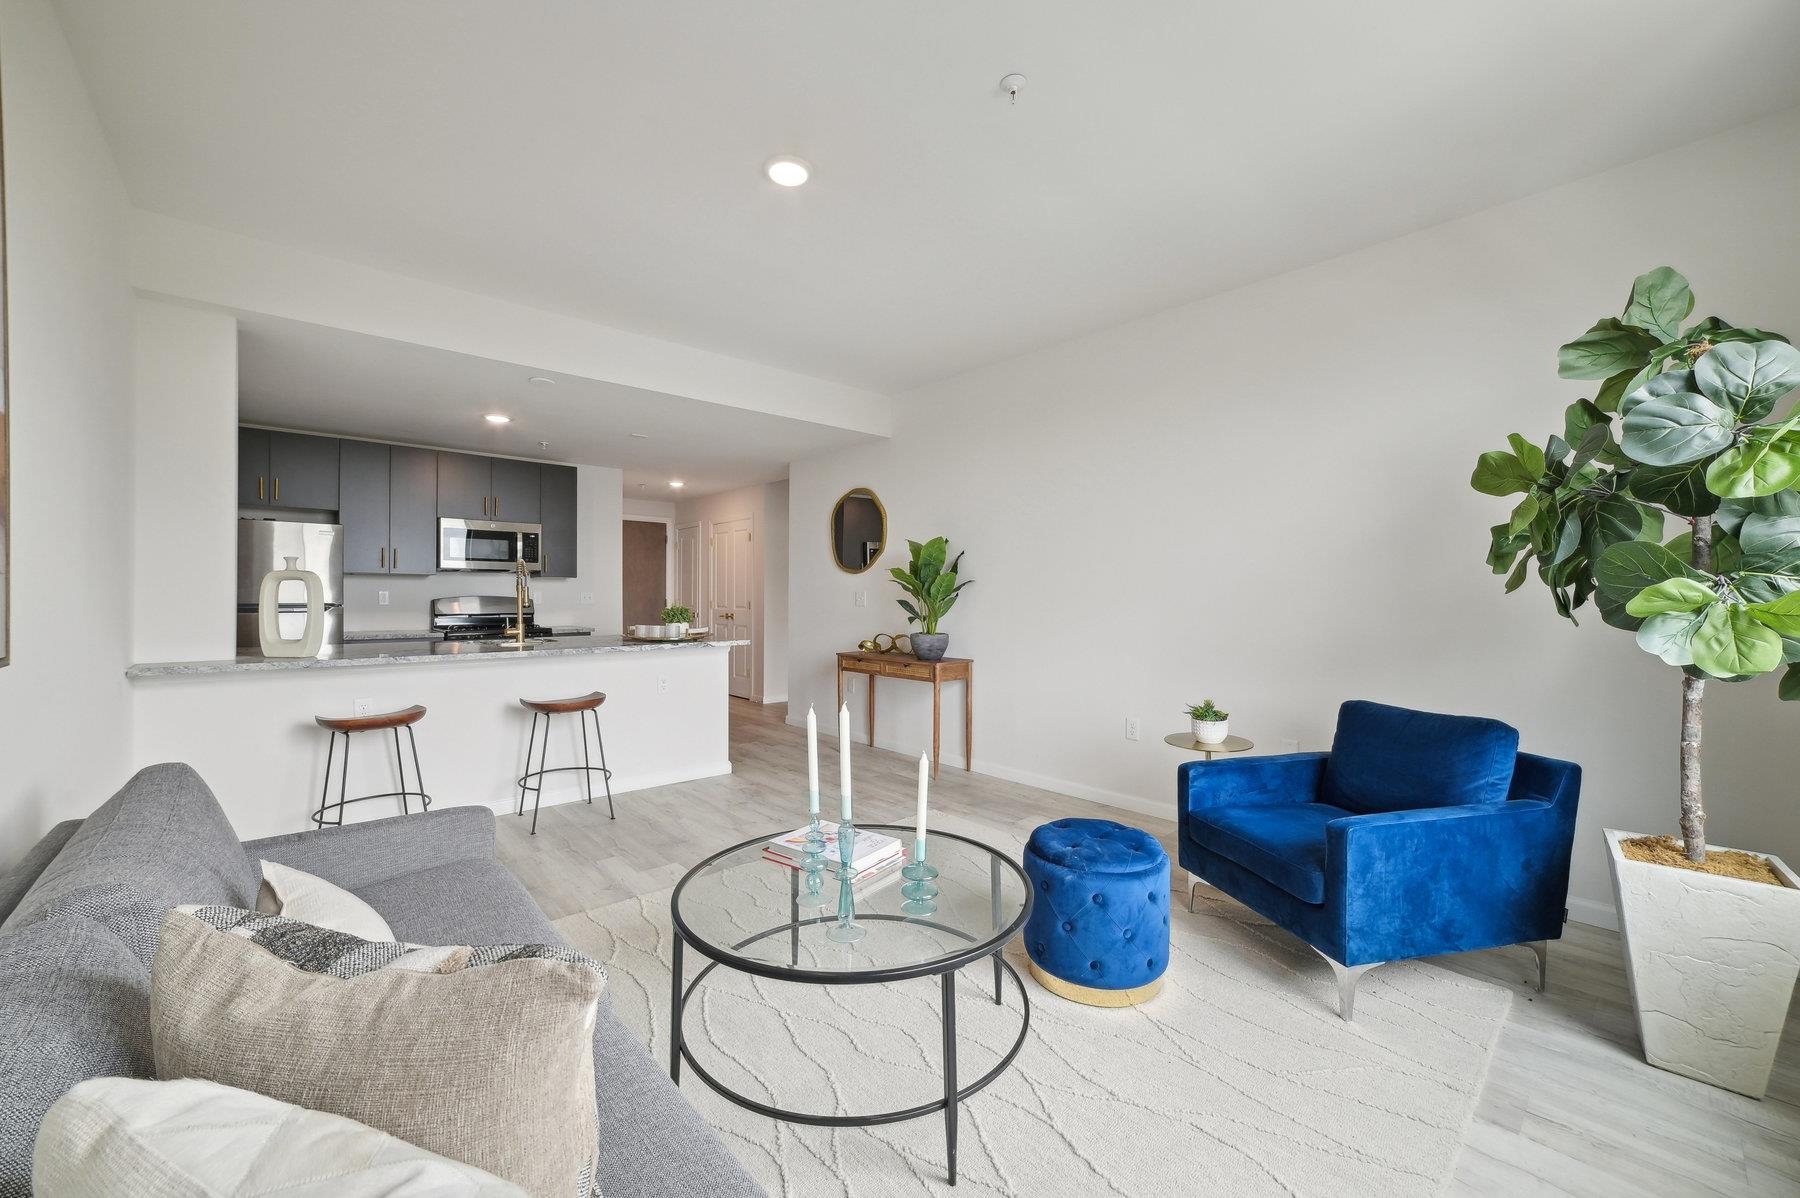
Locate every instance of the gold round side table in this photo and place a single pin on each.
(1231, 744)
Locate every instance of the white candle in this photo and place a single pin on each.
(812, 761)
(844, 758)
(919, 819)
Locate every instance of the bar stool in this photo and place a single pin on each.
(583, 706)
(346, 725)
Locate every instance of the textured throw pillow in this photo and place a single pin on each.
(299, 895)
(186, 1139)
(484, 1055)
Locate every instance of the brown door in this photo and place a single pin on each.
(646, 571)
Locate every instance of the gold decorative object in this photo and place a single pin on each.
(894, 643)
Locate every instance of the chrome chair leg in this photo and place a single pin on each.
(1347, 978)
(1541, 950)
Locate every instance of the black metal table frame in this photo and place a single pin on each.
(946, 969)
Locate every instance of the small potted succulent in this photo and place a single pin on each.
(677, 620)
(1211, 726)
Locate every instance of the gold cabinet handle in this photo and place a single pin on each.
(384, 557)
(260, 487)
(277, 495)
(496, 507)
(396, 557)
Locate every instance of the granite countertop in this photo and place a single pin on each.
(425, 634)
(412, 652)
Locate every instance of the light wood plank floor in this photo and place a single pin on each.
(1569, 1106)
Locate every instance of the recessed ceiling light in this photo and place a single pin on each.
(545, 380)
(497, 418)
(677, 483)
(788, 172)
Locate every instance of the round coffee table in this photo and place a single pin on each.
(744, 912)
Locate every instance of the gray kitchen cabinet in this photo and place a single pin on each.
(253, 466)
(515, 491)
(413, 509)
(465, 486)
(364, 508)
(557, 514)
(303, 471)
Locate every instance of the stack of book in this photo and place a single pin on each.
(873, 856)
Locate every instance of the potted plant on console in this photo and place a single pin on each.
(930, 578)
(1679, 438)
(677, 620)
(1210, 725)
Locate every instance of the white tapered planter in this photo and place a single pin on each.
(1712, 963)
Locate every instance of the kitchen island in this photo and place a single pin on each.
(246, 722)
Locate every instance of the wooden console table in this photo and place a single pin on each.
(904, 665)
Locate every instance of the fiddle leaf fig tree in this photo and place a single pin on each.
(1668, 499)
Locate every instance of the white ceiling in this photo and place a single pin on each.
(602, 157)
(304, 376)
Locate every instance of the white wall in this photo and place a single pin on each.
(184, 511)
(653, 508)
(768, 555)
(1263, 498)
(64, 713)
(599, 544)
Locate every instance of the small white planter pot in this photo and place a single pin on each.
(1211, 732)
(674, 631)
(1712, 962)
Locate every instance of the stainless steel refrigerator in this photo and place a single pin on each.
(265, 545)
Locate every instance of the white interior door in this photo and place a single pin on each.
(732, 598)
(686, 584)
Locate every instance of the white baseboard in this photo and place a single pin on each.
(1599, 915)
(768, 699)
(625, 784)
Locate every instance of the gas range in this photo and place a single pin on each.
(481, 618)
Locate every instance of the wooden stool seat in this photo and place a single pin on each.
(371, 723)
(585, 702)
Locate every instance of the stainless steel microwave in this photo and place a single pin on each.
(489, 545)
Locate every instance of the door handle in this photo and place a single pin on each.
(384, 557)
(261, 487)
(277, 495)
(496, 507)
(396, 557)
(484, 506)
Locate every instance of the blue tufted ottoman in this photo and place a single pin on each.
(1099, 926)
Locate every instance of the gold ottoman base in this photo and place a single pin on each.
(1092, 996)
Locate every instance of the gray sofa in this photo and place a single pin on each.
(78, 924)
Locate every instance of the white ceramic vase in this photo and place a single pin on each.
(1211, 732)
(675, 631)
(1712, 962)
(268, 613)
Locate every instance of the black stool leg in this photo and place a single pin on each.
(325, 788)
(605, 774)
(344, 782)
(587, 768)
(400, 768)
(526, 775)
(418, 778)
(537, 796)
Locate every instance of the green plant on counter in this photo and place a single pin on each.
(930, 581)
(677, 615)
(1207, 712)
(1681, 426)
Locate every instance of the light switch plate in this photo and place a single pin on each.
(381, 598)
(862, 598)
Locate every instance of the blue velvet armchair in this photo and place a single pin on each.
(1417, 835)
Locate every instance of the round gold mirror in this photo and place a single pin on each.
(858, 530)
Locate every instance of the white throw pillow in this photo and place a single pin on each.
(299, 895)
(188, 1138)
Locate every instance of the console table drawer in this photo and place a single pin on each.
(905, 669)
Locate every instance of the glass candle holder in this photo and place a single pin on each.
(813, 866)
(846, 930)
(920, 891)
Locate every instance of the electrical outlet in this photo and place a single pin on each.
(587, 599)
(1131, 727)
(364, 707)
(662, 686)
(862, 598)
(381, 598)
(1290, 744)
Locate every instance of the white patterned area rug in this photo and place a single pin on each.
(1238, 1079)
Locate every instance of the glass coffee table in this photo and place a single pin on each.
(745, 913)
